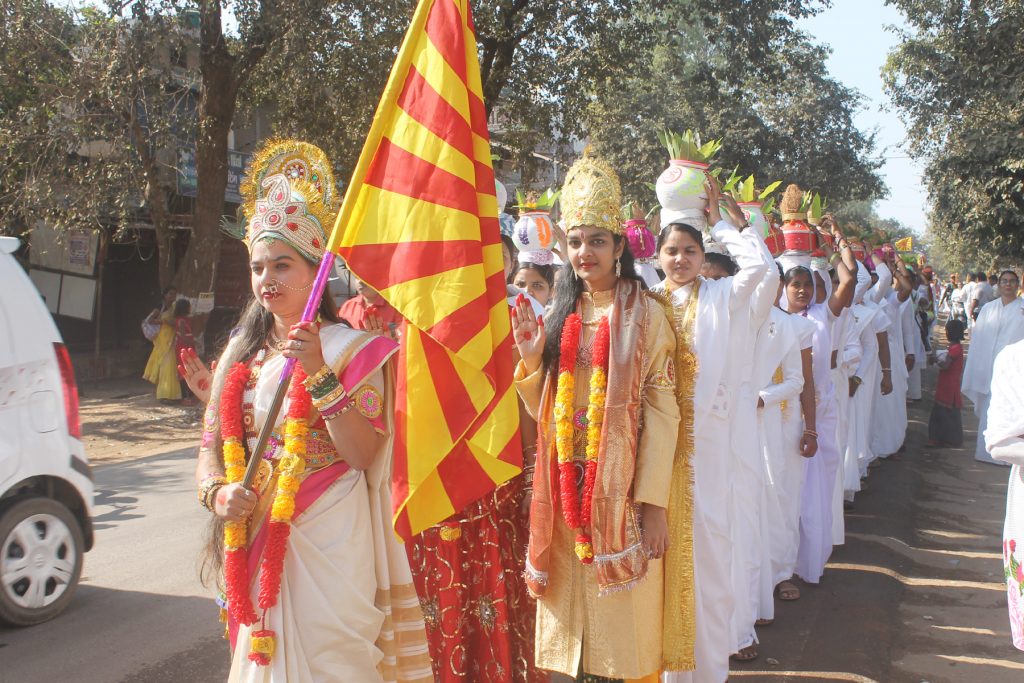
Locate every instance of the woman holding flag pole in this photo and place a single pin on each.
(599, 377)
(315, 585)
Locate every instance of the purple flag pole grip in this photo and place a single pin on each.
(309, 314)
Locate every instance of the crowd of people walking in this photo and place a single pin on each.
(693, 424)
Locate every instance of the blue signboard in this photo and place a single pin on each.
(188, 179)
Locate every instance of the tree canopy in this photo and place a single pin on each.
(957, 80)
(94, 103)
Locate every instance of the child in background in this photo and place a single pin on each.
(945, 427)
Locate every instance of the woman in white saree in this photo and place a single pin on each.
(317, 587)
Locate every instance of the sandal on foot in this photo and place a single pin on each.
(747, 654)
(788, 591)
(764, 622)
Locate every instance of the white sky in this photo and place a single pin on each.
(856, 31)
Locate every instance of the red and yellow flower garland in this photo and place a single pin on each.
(236, 570)
(290, 468)
(575, 518)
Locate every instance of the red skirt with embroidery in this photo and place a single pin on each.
(469, 576)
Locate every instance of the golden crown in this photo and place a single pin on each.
(591, 195)
(288, 194)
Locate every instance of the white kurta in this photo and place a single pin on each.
(778, 346)
(889, 421)
(1005, 440)
(821, 469)
(748, 476)
(869, 321)
(719, 301)
(999, 325)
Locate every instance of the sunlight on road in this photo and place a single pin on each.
(817, 675)
(967, 629)
(954, 534)
(1002, 663)
(891, 541)
(913, 581)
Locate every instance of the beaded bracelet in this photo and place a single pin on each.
(338, 409)
(811, 432)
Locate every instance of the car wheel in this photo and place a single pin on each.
(41, 550)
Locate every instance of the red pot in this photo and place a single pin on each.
(775, 240)
(859, 251)
(824, 238)
(799, 236)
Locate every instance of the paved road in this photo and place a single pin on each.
(916, 595)
(140, 613)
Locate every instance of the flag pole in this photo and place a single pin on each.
(308, 315)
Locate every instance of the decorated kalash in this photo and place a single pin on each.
(310, 563)
(599, 375)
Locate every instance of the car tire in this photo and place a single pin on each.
(41, 550)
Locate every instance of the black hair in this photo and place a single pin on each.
(544, 270)
(722, 261)
(163, 293)
(693, 232)
(513, 254)
(182, 308)
(955, 330)
(1011, 272)
(981, 276)
(797, 270)
(779, 266)
(567, 292)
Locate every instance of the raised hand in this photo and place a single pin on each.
(735, 212)
(528, 333)
(197, 376)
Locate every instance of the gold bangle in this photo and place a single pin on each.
(336, 394)
(315, 378)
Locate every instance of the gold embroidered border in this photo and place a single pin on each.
(680, 630)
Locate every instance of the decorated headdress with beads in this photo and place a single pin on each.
(591, 195)
(288, 194)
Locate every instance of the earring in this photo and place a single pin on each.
(618, 268)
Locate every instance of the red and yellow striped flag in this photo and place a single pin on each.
(419, 224)
(905, 244)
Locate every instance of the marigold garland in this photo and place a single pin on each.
(236, 570)
(575, 518)
(595, 415)
(290, 468)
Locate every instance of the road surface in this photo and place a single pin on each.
(140, 612)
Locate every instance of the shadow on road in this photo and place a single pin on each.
(917, 591)
(109, 635)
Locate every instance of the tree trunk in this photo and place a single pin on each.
(217, 99)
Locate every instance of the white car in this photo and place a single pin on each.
(46, 489)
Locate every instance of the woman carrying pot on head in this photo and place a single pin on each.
(819, 438)
(315, 585)
(705, 311)
(597, 372)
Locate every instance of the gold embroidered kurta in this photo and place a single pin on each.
(618, 635)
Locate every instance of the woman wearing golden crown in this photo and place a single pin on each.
(598, 374)
(315, 586)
